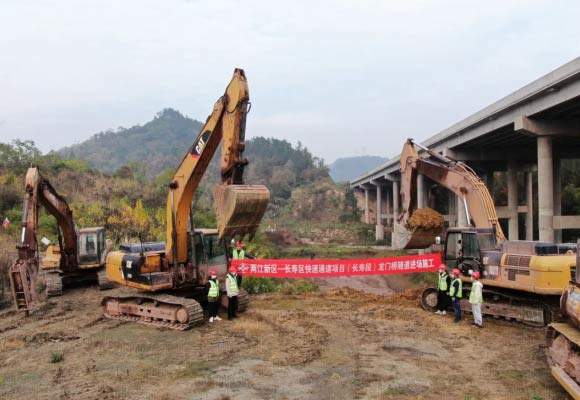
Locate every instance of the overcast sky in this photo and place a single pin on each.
(343, 77)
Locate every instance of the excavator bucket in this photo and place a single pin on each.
(422, 228)
(239, 208)
(404, 238)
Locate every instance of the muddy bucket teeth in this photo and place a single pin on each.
(239, 208)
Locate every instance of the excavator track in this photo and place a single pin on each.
(53, 282)
(532, 312)
(563, 355)
(243, 301)
(159, 310)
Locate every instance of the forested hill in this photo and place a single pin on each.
(155, 149)
(348, 168)
(157, 145)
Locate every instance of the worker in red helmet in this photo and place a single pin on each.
(213, 296)
(443, 283)
(456, 293)
(476, 298)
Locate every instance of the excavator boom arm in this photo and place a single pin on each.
(39, 191)
(226, 124)
(453, 175)
(24, 272)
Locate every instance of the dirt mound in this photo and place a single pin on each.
(426, 219)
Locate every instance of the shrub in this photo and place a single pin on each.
(255, 285)
(299, 286)
(56, 357)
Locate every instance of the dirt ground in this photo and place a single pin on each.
(339, 343)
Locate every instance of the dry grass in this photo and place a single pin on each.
(341, 344)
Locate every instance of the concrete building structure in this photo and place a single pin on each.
(512, 144)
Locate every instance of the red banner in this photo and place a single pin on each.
(322, 268)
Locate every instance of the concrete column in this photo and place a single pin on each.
(395, 202)
(367, 216)
(512, 186)
(380, 229)
(530, 204)
(388, 210)
(545, 189)
(420, 191)
(461, 214)
(452, 206)
(557, 197)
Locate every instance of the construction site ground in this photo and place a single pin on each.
(338, 343)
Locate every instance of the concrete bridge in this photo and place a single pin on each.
(516, 145)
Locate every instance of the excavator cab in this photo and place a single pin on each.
(92, 247)
(464, 247)
(209, 250)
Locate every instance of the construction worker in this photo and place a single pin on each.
(476, 298)
(442, 290)
(232, 291)
(456, 293)
(239, 253)
(213, 296)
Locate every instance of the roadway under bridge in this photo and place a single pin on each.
(518, 146)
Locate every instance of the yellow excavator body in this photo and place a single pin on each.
(522, 279)
(182, 263)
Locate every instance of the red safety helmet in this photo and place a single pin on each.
(475, 275)
(212, 272)
(456, 271)
(442, 267)
(233, 269)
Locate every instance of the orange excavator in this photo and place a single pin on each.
(79, 255)
(170, 277)
(522, 279)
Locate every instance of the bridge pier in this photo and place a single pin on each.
(545, 189)
(367, 216)
(420, 191)
(379, 228)
(512, 186)
(530, 204)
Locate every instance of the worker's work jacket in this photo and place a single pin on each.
(476, 295)
(443, 283)
(232, 285)
(214, 289)
(238, 254)
(456, 289)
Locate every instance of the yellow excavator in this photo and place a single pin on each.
(170, 277)
(79, 255)
(522, 279)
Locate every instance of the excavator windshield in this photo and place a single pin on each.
(91, 246)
